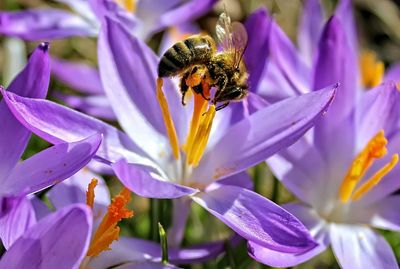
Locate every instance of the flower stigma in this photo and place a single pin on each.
(375, 148)
(108, 231)
(372, 70)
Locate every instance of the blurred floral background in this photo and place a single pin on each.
(378, 29)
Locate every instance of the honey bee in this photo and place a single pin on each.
(201, 66)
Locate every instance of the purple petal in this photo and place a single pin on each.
(344, 12)
(146, 265)
(258, 27)
(73, 190)
(39, 24)
(357, 246)
(17, 217)
(128, 72)
(51, 166)
(56, 123)
(287, 67)
(139, 250)
(262, 134)
(79, 76)
(57, 241)
(41, 209)
(32, 81)
(187, 11)
(311, 24)
(377, 109)
(386, 213)
(317, 228)
(95, 105)
(256, 218)
(242, 180)
(334, 135)
(301, 169)
(146, 184)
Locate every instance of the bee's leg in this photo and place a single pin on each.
(221, 84)
(222, 106)
(184, 87)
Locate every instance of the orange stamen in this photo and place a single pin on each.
(108, 230)
(376, 148)
(90, 192)
(375, 179)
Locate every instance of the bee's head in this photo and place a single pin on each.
(231, 93)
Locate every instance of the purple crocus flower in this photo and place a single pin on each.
(146, 161)
(41, 170)
(143, 18)
(344, 173)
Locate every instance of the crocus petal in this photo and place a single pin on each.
(33, 81)
(385, 213)
(344, 12)
(318, 229)
(378, 109)
(41, 209)
(95, 105)
(139, 250)
(256, 218)
(281, 259)
(79, 76)
(51, 166)
(360, 247)
(56, 123)
(81, 7)
(335, 63)
(393, 73)
(146, 265)
(258, 27)
(57, 241)
(39, 24)
(301, 169)
(187, 11)
(73, 190)
(147, 184)
(312, 21)
(17, 217)
(286, 68)
(262, 134)
(242, 180)
(128, 72)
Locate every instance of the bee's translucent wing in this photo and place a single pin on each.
(224, 31)
(239, 41)
(232, 37)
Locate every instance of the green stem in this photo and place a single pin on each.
(275, 190)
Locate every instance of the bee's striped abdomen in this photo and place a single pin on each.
(194, 50)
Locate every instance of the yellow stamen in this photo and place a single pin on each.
(199, 108)
(169, 124)
(129, 5)
(90, 192)
(376, 148)
(375, 179)
(201, 138)
(108, 230)
(372, 70)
